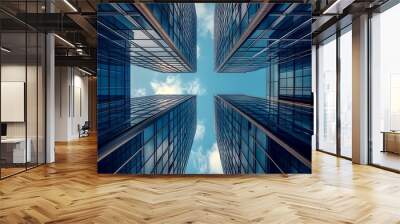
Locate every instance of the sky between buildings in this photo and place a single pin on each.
(205, 83)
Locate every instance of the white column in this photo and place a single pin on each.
(50, 91)
(50, 98)
(360, 90)
(314, 91)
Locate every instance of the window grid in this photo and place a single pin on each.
(125, 25)
(245, 148)
(271, 41)
(163, 146)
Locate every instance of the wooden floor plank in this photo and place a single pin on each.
(70, 191)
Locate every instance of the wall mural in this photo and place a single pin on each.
(188, 88)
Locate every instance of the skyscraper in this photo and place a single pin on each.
(256, 135)
(248, 35)
(277, 37)
(157, 138)
(271, 135)
(161, 37)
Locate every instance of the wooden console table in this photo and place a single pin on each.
(391, 141)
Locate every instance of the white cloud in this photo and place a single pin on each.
(171, 85)
(200, 160)
(174, 85)
(198, 51)
(194, 87)
(200, 130)
(214, 160)
(205, 17)
(139, 92)
(206, 161)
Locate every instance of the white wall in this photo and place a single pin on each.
(14, 72)
(17, 73)
(62, 82)
(71, 87)
(33, 126)
(79, 117)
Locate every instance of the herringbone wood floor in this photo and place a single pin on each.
(70, 191)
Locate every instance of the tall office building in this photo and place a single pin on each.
(256, 135)
(160, 37)
(157, 138)
(277, 37)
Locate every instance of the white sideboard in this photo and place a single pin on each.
(19, 155)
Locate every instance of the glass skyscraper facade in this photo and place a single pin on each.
(248, 36)
(231, 20)
(256, 135)
(160, 37)
(179, 22)
(157, 138)
(113, 84)
(290, 80)
(277, 37)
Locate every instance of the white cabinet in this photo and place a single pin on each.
(17, 146)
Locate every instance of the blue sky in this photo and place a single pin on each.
(205, 83)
